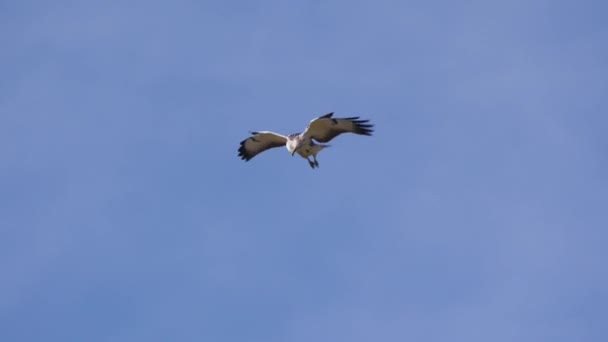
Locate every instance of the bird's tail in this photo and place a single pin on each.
(318, 147)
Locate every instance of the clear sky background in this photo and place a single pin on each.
(477, 211)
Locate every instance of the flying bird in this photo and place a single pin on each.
(306, 144)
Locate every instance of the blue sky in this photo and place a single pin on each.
(477, 211)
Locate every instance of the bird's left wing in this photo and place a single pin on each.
(259, 142)
(324, 128)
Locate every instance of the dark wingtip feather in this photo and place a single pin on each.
(243, 152)
(362, 127)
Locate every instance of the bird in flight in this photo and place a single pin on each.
(321, 130)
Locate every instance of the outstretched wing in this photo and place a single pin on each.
(324, 128)
(259, 142)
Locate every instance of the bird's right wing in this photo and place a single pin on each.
(324, 128)
(259, 142)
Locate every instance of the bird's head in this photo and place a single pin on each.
(292, 146)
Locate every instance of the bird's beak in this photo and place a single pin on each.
(293, 153)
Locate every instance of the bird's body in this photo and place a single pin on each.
(305, 147)
(321, 129)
